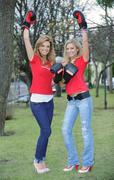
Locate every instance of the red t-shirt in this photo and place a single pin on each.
(77, 83)
(41, 77)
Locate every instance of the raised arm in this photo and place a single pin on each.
(29, 19)
(83, 27)
(85, 45)
(28, 45)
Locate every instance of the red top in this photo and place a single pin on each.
(41, 77)
(77, 83)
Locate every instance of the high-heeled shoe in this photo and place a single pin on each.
(41, 171)
(77, 167)
(70, 168)
(85, 169)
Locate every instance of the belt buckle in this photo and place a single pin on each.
(70, 98)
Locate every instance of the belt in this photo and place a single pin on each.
(79, 96)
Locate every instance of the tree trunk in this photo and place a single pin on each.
(110, 80)
(96, 81)
(7, 8)
(97, 84)
(105, 92)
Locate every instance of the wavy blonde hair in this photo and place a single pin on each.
(51, 54)
(77, 44)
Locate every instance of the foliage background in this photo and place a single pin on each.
(17, 150)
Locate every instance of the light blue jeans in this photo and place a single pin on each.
(83, 107)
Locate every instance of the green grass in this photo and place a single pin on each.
(17, 150)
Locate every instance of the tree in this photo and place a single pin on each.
(102, 45)
(108, 3)
(7, 8)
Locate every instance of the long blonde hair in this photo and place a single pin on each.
(76, 43)
(51, 54)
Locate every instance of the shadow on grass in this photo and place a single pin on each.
(8, 133)
(6, 161)
(102, 108)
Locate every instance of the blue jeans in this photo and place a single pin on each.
(83, 107)
(43, 113)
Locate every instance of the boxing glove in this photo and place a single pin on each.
(80, 19)
(69, 71)
(57, 69)
(30, 19)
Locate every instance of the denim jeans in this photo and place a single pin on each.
(83, 107)
(43, 113)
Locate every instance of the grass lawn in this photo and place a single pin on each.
(17, 150)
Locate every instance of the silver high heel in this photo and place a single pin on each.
(40, 171)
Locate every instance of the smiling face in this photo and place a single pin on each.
(44, 48)
(71, 50)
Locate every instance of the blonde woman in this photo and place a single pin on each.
(41, 59)
(79, 100)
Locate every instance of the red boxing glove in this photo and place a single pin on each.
(30, 18)
(80, 19)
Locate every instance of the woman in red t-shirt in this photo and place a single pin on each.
(41, 101)
(79, 100)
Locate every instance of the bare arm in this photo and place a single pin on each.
(85, 45)
(83, 26)
(28, 45)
